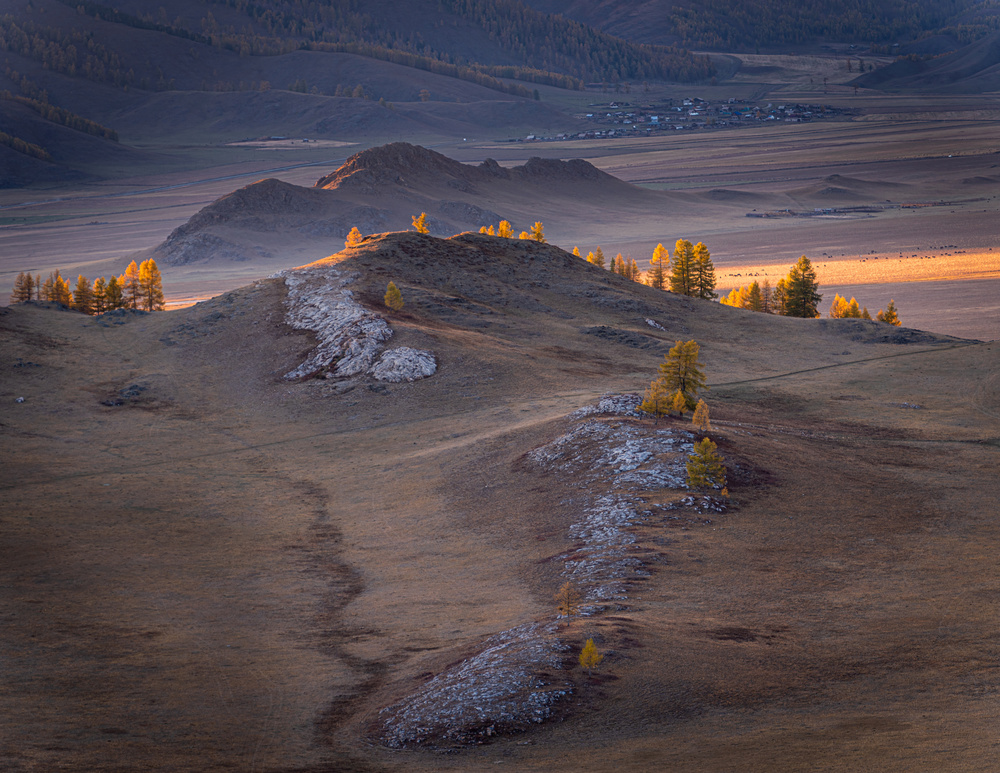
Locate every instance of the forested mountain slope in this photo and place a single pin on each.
(746, 25)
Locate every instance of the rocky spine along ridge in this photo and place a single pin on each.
(349, 336)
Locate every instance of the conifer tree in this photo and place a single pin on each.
(131, 287)
(681, 270)
(889, 316)
(506, 230)
(853, 310)
(838, 308)
(618, 265)
(56, 290)
(599, 257)
(633, 270)
(700, 418)
(83, 297)
(99, 295)
(483, 230)
(734, 299)
(681, 372)
(800, 296)
(24, 287)
(393, 297)
(755, 299)
(590, 658)
(658, 267)
(567, 600)
(537, 234)
(767, 297)
(576, 251)
(678, 404)
(865, 314)
(657, 401)
(150, 286)
(702, 274)
(115, 295)
(420, 223)
(778, 297)
(354, 238)
(705, 467)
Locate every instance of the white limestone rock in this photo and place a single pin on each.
(349, 336)
(404, 364)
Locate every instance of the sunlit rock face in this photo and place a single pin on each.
(349, 336)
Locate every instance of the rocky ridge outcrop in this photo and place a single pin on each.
(349, 336)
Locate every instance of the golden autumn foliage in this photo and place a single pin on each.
(354, 238)
(393, 297)
(567, 600)
(590, 657)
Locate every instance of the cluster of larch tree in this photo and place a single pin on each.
(796, 296)
(691, 272)
(676, 390)
(140, 287)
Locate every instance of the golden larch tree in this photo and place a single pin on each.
(681, 372)
(705, 467)
(700, 418)
(151, 286)
(393, 297)
(657, 401)
(83, 296)
(889, 316)
(567, 600)
(131, 289)
(505, 229)
(658, 267)
(354, 238)
(420, 223)
(590, 658)
(99, 295)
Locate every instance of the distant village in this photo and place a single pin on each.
(624, 119)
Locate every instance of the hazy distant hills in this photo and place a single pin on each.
(379, 190)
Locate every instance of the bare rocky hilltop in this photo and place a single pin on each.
(229, 541)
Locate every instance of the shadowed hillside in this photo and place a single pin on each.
(973, 69)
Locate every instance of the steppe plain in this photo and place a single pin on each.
(229, 571)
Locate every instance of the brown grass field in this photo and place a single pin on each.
(230, 571)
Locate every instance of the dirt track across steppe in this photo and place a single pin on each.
(207, 567)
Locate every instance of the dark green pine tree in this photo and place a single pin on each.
(800, 296)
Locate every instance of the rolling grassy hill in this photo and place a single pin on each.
(209, 566)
